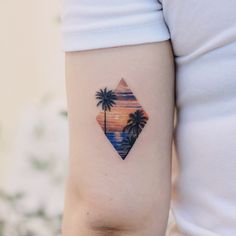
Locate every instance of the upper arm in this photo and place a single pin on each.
(103, 189)
(106, 194)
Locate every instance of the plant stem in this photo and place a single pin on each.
(105, 122)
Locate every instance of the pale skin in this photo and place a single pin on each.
(105, 195)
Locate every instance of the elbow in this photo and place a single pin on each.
(103, 215)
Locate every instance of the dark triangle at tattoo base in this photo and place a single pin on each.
(122, 117)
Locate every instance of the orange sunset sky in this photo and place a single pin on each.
(126, 103)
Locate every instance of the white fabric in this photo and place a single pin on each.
(203, 34)
(90, 24)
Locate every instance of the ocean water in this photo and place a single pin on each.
(116, 139)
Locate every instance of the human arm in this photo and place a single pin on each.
(107, 195)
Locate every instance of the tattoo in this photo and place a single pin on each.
(122, 118)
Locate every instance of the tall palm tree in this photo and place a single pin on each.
(106, 100)
(136, 122)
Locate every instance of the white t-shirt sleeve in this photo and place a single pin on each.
(91, 24)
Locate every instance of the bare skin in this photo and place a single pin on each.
(108, 196)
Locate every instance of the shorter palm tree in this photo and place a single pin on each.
(106, 100)
(136, 122)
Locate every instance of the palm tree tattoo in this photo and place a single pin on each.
(136, 122)
(122, 118)
(106, 100)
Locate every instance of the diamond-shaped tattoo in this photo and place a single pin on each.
(122, 117)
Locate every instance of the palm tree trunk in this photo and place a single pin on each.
(105, 122)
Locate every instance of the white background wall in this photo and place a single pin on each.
(31, 63)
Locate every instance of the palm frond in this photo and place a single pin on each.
(136, 122)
